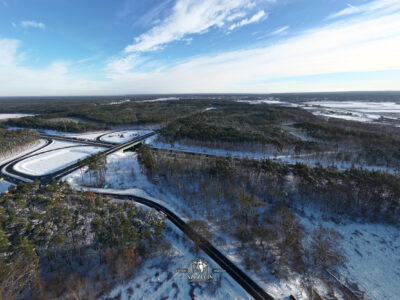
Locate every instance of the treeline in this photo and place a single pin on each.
(45, 123)
(12, 140)
(56, 243)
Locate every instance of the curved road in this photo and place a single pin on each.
(237, 274)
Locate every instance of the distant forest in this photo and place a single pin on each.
(92, 115)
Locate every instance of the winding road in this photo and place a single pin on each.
(10, 174)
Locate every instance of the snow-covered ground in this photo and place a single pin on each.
(361, 111)
(123, 136)
(14, 116)
(373, 255)
(158, 279)
(355, 110)
(372, 250)
(47, 163)
(125, 177)
(57, 145)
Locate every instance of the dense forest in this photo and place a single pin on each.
(13, 140)
(277, 129)
(57, 243)
(54, 124)
(102, 114)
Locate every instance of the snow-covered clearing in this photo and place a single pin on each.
(50, 162)
(14, 116)
(373, 255)
(123, 136)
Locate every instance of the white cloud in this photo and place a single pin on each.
(280, 30)
(122, 65)
(255, 18)
(33, 24)
(189, 17)
(53, 79)
(372, 7)
(361, 44)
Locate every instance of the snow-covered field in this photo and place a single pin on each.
(14, 116)
(355, 110)
(361, 111)
(373, 255)
(47, 163)
(123, 136)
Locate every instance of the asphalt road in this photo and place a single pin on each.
(237, 274)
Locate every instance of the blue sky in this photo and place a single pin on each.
(70, 47)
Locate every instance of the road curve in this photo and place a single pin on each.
(251, 287)
(237, 274)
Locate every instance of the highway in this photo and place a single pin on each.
(11, 175)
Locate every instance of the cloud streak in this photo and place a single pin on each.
(192, 17)
(254, 19)
(33, 24)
